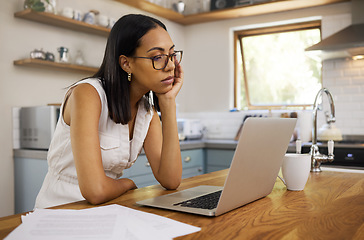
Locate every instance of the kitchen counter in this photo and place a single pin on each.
(222, 144)
(30, 153)
(330, 207)
(225, 144)
(185, 145)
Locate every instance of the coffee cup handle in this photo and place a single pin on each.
(282, 180)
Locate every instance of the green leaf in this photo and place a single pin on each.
(38, 6)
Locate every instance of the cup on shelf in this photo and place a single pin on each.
(38, 54)
(67, 12)
(295, 170)
(89, 17)
(102, 20)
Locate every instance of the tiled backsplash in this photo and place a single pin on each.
(345, 80)
(219, 125)
(225, 125)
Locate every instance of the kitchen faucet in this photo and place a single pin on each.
(316, 157)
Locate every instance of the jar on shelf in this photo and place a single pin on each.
(51, 7)
(79, 60)
(63, 54)
(206, 5)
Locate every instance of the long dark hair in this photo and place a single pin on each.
(124, 38)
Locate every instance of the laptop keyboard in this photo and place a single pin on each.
(208, 201)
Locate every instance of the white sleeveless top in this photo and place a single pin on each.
(60, 185)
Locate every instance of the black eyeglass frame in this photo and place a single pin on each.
(169, 57)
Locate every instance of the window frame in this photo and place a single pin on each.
(240, 34)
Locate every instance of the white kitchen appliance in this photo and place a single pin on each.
(189, 129)
(37, 125)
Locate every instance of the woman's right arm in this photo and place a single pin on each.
(82, 112)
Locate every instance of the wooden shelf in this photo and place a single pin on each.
(38, 63)
(155, 9)
(238, 12)
(60, 21)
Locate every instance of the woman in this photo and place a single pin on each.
(106, 120)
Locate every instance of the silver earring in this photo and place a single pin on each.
(129, 77)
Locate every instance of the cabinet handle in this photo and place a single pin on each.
(187, 159)
(147, 164)
(199, 169)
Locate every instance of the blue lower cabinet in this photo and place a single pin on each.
(192, 158)
(218, 159)
(191, 172)
(144, 180)
(192, 162)
(28, 179)
(141, 172)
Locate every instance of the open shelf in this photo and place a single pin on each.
(60, 21)
(38, 63)
(237, 12)
(155, 9)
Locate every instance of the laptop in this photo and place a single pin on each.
(258, 157)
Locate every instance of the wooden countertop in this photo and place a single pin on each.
(330, 207)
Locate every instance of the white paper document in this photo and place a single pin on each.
(108, 222)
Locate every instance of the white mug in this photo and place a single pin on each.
(67, 12)
(102, 20)
(295, 170)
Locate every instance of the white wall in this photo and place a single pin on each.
(24, 86)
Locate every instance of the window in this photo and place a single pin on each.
(272, 68)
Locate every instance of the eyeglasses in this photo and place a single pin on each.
(160, 61)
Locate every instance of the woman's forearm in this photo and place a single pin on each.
(170, 169)
(107, 189)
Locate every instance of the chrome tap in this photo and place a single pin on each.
(316, 157)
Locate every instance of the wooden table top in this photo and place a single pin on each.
(330, 207)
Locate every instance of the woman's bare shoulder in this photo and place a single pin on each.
(82, 98)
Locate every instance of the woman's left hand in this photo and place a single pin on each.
(178, 78)
(177, 84)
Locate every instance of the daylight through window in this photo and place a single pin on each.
(272, 68)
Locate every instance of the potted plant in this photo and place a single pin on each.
(36, 5)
